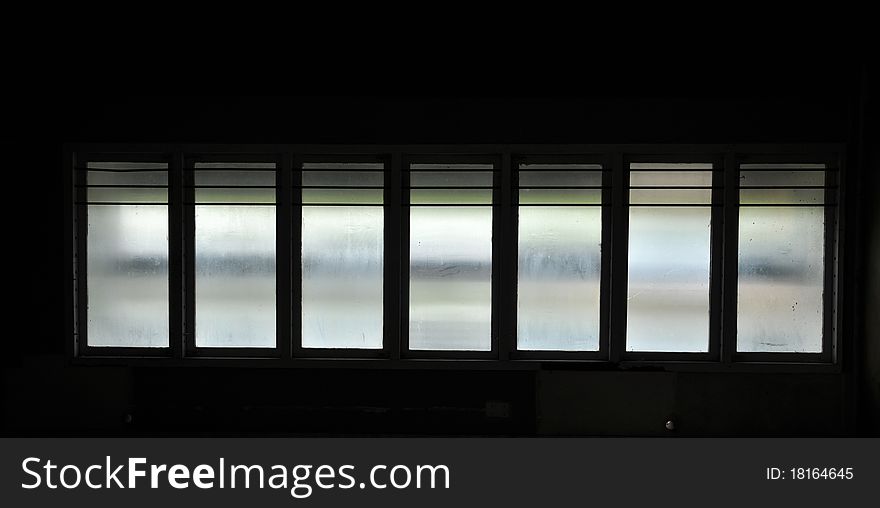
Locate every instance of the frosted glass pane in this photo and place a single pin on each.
(127, 195)
(235, 195)
(450, 287)
(450, 178)
(781, 178)
(235, 276)
(668, 288)
(670, 196)
(234, 178)
(149, 178)
(781, 267)
(558, 278)
(342, 267)
(560, 178)
(343, 178)
(343, 196)
(670, 178)
(560, 196)
(782, 196)
(127, 269)
(451, 196)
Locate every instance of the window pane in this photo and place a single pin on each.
(450, 278)
(235, 195)
(342, 267)
(670, 178)
(668, 288)
(234, 177)
(558, 278)
(133, 195)
(127, 275)
(782, 196)
(451, 196)
(342, 196)
(130, 178)
(560, 178)
(450, 178)
(781, 266)
(781, 178)
(670, 196)
(342, 178)
(560, 196)
(235, 276)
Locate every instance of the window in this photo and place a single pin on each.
(127, 253)
(234, 254)
(711, 257)
(670, 231)
(559, 255)
(342, 255)
(783, 212)
(450, 257)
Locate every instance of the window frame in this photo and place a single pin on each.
(188, 206)
(78, 179)
(605, 161)
(831, 242)
(716, 241)
(497, 249)
(504, 355)
(390, 210)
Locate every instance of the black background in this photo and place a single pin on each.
(669, 101)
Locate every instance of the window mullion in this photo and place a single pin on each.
(394, 239)
(284, 250)
(295, 303)
(177, 293)
(730, 258)
(618, 255)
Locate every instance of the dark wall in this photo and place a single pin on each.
(45, 394)
(870, 354)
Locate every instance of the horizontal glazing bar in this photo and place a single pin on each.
(453, 167)
(127, 166)
(558, 167)
(808, 166)
(671, 166)
(234, 165)
(344, 166)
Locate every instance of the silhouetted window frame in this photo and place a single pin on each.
(395, 353)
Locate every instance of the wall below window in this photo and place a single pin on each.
(48, 397)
